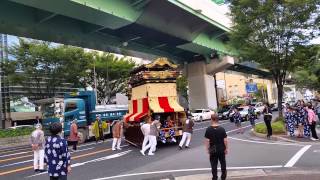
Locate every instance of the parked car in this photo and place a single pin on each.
(223, 113)
(243, 110)
(259, 107)
(202, 114)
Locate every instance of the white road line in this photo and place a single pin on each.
(187, 170)
(81, 150)
(14, 154)
(12, 164)
(262, 142)
(30, 160)
(297, 156)
(207, 127)
(93, 160)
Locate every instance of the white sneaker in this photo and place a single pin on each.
(119, 149)
(313, 139)
(142, 153)
(150, 154)
(113, 149)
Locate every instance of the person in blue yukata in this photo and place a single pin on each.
(290, 120)
(300, 118)
(237, 120)
(252, 116)
(57, 154)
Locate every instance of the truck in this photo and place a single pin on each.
(82, 106)
(153, 93)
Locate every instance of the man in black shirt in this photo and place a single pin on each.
(217, 146)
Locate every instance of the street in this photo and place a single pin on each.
(98, 161)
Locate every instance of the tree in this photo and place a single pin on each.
(112, 75)
(182, 87)
(308, 75)
(42, 67)
(272, 32)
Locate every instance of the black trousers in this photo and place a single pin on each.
(313, 130)
(74, 144)
(267, 121)
(58, 178)
(214, 163)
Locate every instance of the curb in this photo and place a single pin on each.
(254, 173)
(280, 138)
(260, 135)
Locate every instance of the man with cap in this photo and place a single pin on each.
(73, 138)
(37, 142)
(187, 128)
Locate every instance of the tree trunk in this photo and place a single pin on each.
(280, 97)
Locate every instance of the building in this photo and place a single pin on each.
(232, 84)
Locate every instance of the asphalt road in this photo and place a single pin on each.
(98, 161)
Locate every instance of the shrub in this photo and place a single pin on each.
(4, 133)
(278, 127)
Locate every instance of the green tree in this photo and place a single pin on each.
(43, 67)
(112, 75)
(182, 87)
(308, 75)
(271, 33)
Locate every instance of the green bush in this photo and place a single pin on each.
(278, 127)
(4, 133)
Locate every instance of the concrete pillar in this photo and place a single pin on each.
(202, 91)
(201, 87)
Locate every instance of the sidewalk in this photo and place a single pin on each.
(262, 174)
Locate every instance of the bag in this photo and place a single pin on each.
(212, 149)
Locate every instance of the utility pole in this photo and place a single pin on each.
(95, 79)
(1, 100)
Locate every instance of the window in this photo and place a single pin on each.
(70, 106)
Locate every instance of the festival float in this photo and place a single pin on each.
(153, 92)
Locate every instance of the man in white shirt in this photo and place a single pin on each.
(37, 142)
(145, 128)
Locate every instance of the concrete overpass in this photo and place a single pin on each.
(186, 31)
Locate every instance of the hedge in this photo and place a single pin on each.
(278, 127)
(4, 133)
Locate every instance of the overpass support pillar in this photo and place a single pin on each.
(202, 89)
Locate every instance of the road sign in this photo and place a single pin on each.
(251, 87)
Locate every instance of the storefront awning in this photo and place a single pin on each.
(164, 105)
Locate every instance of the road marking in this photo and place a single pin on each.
(12, 164)
(262, 142)
(10, 159)
(82, 150)
(16, 170)
(187, 170)
(72, 158)
(13, 154)
(15, 150)
(297, 156)
(22, 162)
(94, 160)
(207, 127)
